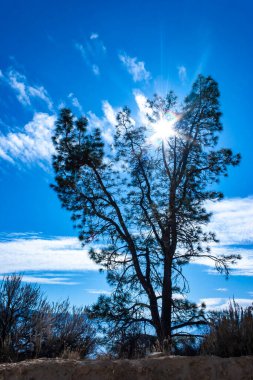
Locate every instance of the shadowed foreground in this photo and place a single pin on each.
(178, 368)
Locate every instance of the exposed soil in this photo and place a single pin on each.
(173, 368)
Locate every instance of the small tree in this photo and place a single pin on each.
(17, 303)
(142, 200)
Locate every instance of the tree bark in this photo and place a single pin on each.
(166, 299)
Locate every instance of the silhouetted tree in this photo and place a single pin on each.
(17, 302)
(32, 327)
(142, 201)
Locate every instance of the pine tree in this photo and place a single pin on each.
(142, 202)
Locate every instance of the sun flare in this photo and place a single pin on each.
(164, 127)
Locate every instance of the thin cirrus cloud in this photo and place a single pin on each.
(25, 92)
(135, 68)
(32, 145)
(45, 280)
(223, 303)
(92, 50)
(94, 36)
(20, 254)
(232, 221)
(75, 102)
(182, 73)
(98, 291)
(32, 252)
(222, 289)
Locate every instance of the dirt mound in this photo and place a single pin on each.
(173, 368)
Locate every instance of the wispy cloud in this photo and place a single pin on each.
(109, 113)
(33, 145)
(135, 68)
(222, 289)
(98, 291)
(26, 92)
(232, 221)
(243, 267)
(46, 280)
(182, 73)
(143, 109)
(92, 51)
(96, 70)
(41, 254)
(75, 102)
(223, 303)
(94, 36)
(106, 123)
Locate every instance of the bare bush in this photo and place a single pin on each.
(17, 303)
(59, 328)
(231, 332)
(32, 327)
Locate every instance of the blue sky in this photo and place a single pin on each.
(97, 57)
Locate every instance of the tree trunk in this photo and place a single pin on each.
(166, 304)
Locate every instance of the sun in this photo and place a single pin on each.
(164, 127)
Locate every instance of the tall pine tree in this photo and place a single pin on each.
(142, 203)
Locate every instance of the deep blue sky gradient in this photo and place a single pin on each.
(38, 39)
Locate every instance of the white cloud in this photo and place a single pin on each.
(98, 291)
(75, 102)
(25, 92)
(222, 289)
(17, 82)
(223, 303)
(143, 108)
(92, 51)
(182, 73)
(87, 57)
(135, 68)
(211, 302)
(96, 69)
(33, 145)
(94, 36)
(232, 220)
(106, 123)
(80, 47)
(243, 267)
(61, 105)
(57, 254)
(103, 125)
(40, 93)
(109, 112)
(47, 280)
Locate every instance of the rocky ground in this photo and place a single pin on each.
(173, 368)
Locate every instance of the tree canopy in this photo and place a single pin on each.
(141, 202)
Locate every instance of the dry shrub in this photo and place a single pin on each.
(69, 354)
(231, 332)
(31, 327)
